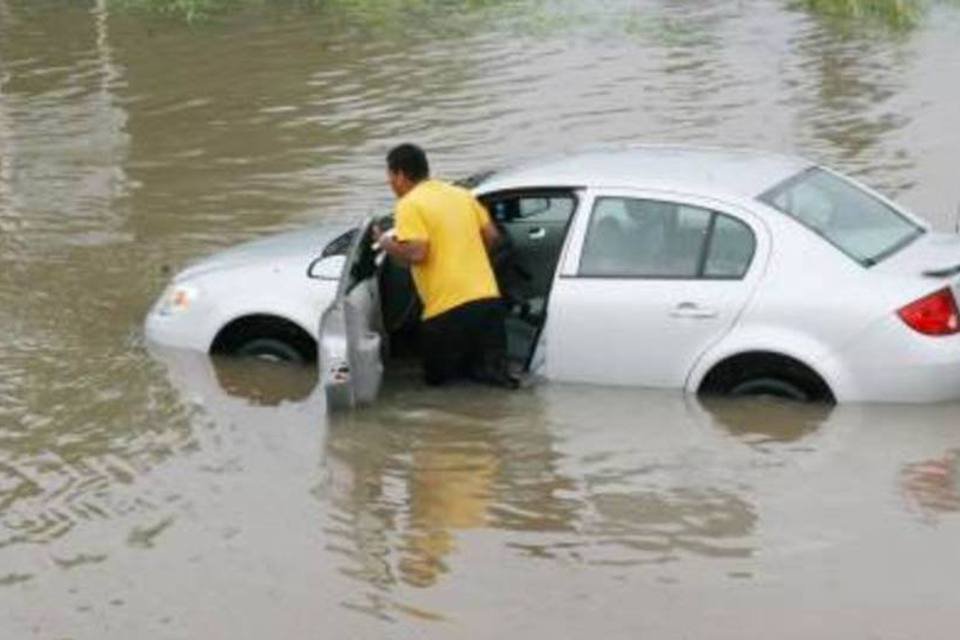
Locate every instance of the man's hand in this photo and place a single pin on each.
(406, 251)
(379, 236)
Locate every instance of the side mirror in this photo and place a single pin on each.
(327, 267)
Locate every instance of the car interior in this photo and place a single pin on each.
(533, 226)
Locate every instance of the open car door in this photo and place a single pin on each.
(351, 330)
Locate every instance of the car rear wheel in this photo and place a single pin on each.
(766, 374)
(770, 387)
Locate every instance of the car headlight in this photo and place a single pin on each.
(176, 299)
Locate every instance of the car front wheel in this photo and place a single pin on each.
(270, 349)
(267, 338)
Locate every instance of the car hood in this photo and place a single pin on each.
(299, 246)
(932, 252)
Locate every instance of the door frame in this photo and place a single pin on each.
(569, 266)
(345, 381)
(577, 193)
(576, 235)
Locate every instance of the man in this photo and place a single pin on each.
(444, 234)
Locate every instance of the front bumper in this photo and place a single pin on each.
(183, 330)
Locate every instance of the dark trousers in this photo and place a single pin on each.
(468, 341)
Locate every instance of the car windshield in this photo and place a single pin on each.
(857, 223)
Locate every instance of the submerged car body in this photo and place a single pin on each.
(707, 270)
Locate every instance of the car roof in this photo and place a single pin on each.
(702, 171)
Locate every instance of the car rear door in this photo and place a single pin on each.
(651, 280)
(351, 363)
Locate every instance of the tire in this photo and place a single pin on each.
(768, 375)
(268, 338)
(271, 349)
(770, 387)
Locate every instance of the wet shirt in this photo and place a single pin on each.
(457, 269)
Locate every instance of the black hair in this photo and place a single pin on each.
(410, 160)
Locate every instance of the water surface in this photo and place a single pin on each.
(165, 495)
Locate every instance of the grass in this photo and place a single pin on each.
(199, 10)
(189, 10)
(898, 14)
(894, 13)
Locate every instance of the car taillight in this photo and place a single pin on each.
(934, 315)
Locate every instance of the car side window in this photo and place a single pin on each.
(340, 246)
(732, 246)
(634, 238)
(628, 237)
(533, 209)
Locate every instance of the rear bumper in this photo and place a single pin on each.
(893, 363)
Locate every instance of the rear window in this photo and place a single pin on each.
(855, 222)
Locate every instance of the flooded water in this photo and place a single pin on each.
(165, 495)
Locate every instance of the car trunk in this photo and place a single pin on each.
(934, 257)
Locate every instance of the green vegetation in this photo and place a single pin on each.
(197, 10)
(895, 13)
(190, 10)
(898, 14)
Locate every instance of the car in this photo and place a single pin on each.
(714, 271)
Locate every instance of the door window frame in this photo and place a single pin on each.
(577, 235)
(491, 197)
(580, 196)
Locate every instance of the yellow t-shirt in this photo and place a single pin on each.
(457, 269)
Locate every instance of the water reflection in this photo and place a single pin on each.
(264, 383)
(67, 144)
(844, 87)
(412, 476)
(53, 479)
(421, 493)
(424, 467)
(7, 150)
(932, 486)
(762, 422)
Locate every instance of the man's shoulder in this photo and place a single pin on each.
(434, 190)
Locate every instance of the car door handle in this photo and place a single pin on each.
(537, 234)
(692, 310)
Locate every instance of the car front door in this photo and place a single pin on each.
(351, 363)
(650, 282)
(535, 222)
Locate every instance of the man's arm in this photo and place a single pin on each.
(488, 230)
(491, 236)
(410, 244)
(406, 251)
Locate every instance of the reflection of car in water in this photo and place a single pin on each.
(243, 387)
(933, 486)
(769, 421)
(411, 484)
(447, 489)
(724, 272)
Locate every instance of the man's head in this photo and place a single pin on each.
(406, 167)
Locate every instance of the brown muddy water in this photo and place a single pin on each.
(169, 496)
